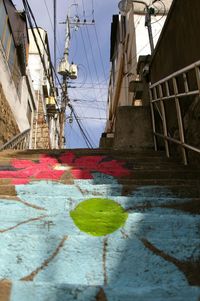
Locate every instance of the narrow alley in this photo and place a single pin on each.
(99, 150)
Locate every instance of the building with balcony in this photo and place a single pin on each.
(128, 96)
(27, 91)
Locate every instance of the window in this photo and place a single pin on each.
(6, 37)
(16, 73)
(2, 18)
(9, 46)
(29, 113)
(11, 55)
(123, 27)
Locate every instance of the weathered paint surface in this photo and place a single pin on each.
(51, 168)
(98, 216)
(45, 256)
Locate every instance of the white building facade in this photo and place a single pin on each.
(18, 101)
(129, 40)
(47, 116)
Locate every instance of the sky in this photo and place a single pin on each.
(90, 50)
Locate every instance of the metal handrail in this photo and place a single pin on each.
(157, 95)
(20, 141)
(178, 142)
(196, 92)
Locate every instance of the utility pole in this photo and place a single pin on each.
(125, 6)
(149, 12)
(55, 31)
(66, 70)
(62, 116)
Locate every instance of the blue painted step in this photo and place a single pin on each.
(57, 292)
(154, 256)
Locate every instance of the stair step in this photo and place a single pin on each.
(165, 174)
(136, 202)
(163, 182)
(41, 291)
(164, 165)
(154, 256)
(178, 189)
(116, 155)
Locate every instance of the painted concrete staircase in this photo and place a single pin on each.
(153, 256)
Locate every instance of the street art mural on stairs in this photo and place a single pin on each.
(68, 234)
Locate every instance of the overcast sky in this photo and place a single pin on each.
(90, 47)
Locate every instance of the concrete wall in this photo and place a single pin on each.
(178, 47)
(8, 125)
(133, 128)
(179, 43)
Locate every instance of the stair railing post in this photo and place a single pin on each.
(180, 121)
(185, 83)
(167, 89)
(153, 121)
(197, 71)
(164, 121)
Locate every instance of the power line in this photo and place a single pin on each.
(83, 117)
(164, 12)
(87, 100)
(54, 29)
(84, 46)
(82, 88)
(92, 118)
(134, 57)
(93, 8)
(101, 58)
(88, 83)
(74, 133)
(94, 61)
(73, 35)
(98, 44)
(83, 9)
(52, 26)
(87, 141)
(93, 88)
(26, 6)
(28, 12)
(86, 55)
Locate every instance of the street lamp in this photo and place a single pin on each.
(125, 5)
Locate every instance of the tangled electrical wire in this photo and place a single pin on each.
(30, 16)
(158, 10)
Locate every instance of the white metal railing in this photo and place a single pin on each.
(20, 141)
(175, 87)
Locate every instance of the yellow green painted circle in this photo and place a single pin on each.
(99, 217)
